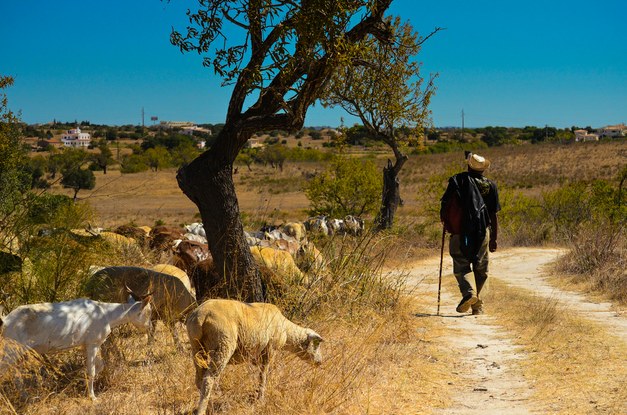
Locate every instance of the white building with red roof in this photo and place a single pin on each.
(76, 138)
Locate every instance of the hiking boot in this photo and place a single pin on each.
(466, 303)
(477, 308)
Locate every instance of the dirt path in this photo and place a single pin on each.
(487, 356)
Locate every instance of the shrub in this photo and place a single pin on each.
(350, 186)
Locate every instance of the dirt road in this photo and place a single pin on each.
(487, 355)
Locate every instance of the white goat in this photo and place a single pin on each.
(55, 327)
(196, 228)
(229, 331)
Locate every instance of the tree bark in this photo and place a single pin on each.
(391, 196)
(208, 182)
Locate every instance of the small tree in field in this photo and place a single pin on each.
(104, 157)
(77, 179)
(278, 65)
(385, 90)
(349, 186)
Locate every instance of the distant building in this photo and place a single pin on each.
(176, 124)
(613, 131)
(194, 128)
(584, 135)
(253, 143)
(76, 138)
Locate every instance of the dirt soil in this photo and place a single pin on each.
(486, 354)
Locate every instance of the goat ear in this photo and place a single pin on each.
(315, 338)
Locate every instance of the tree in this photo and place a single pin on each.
(105, 157)
(274, 155)
(78, 179)
(184, 153)
(157, 157)
(14, 176)
(288, 52)
(386, 91)
(350, 186)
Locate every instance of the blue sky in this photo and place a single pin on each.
(556, 63)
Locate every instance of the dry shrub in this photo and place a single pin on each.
(352, 280)
(598, 257)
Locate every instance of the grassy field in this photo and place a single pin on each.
(264, 192)
(378, 358)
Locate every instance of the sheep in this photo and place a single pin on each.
(336, 226)
(278, 260)
(309, 258)
(188, 253)
(162, 237)
(228, 331)
(171, 300)
(174, 271)
(296, 230)
(54, 327)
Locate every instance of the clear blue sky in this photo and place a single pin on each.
(557, 63)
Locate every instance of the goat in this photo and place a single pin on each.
(354, 225)
(171, 300)
(228, 331)
(54, 327)
(317, 224)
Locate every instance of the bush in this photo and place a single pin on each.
(350, 186)
(133, 163)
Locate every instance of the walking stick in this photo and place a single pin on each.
(441, 259)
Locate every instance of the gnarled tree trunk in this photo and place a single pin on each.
(391, 196)
(208, 182)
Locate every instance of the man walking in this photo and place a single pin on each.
(468, 211)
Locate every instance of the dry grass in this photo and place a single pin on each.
(269, 194)
(576, 367)
(384, 364)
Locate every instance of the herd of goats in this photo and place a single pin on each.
(220, 331)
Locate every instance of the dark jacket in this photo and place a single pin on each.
(466, 206)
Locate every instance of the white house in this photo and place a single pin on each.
(76, 138)
(584, 135)
(189, 130)
(253, 143)
(613, 131)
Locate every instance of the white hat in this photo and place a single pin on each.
(478, 163)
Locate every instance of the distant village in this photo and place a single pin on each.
(44, 136)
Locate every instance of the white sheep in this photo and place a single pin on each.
(54, 327)
(228, 331)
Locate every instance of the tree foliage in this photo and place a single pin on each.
(385, 89)
(14, 177)
(104, 157)
(387, 92)
(278, 57)
(350, 186)
(78, 179)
